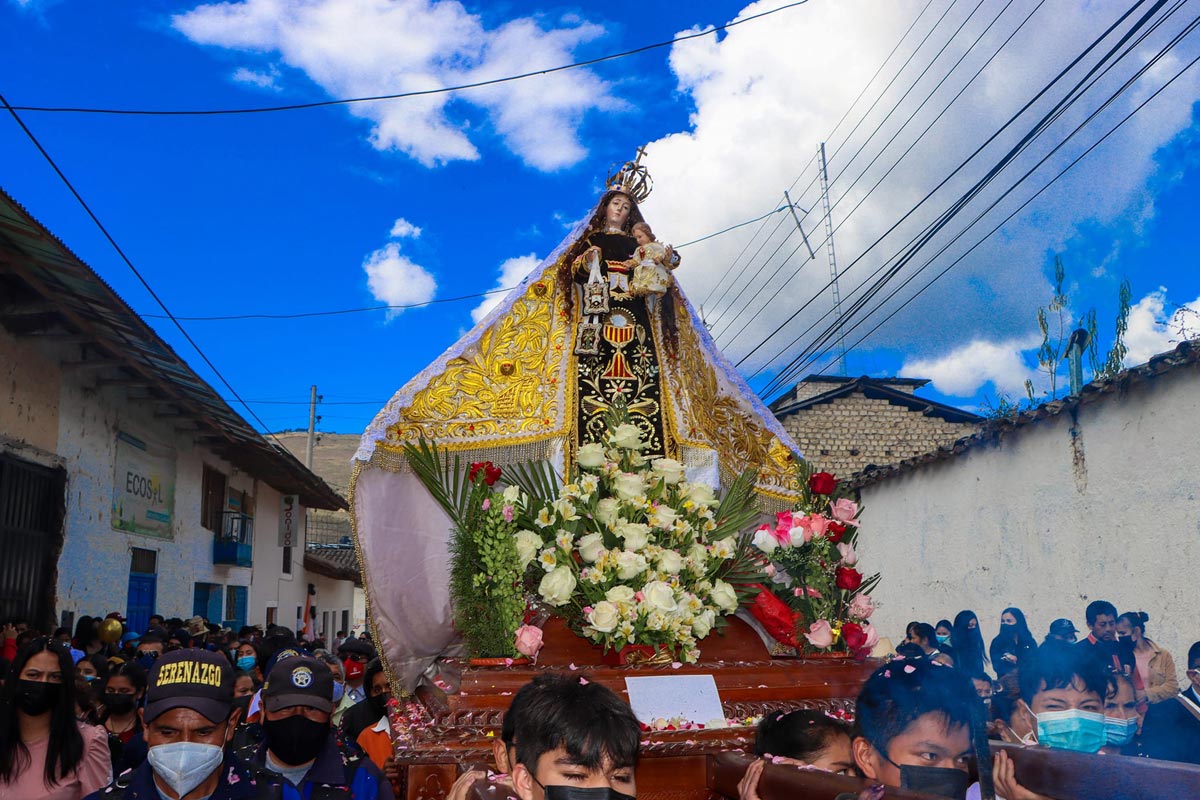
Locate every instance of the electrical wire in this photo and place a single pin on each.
(120, 252)
(789, 371)
(401, 95)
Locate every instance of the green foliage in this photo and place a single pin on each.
(1116, 356)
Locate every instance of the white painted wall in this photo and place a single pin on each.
(270, 583)
(1048, 521)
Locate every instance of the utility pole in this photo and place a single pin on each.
(833, 273)
(312, 425)
(792, 207)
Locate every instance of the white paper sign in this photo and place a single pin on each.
(692, 698)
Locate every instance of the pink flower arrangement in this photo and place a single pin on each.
(861, 606)
(843, 510)
(820, 634)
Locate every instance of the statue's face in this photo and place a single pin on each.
(617, 211)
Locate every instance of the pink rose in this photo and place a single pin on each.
(814, 526)
(529, 640)
(508, 513)
(872, 634)
(843, 511)
(861, 606)
(820, 634)
(849, 557)
(798, 592)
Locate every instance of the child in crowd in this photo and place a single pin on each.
(915, 727)
(574, 735)
(801, 738)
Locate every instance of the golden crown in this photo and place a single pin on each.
(632, 178)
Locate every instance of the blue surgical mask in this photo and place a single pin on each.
(1080, 731)
(1120, 731)
(246, 663)
(339, 689)
(943, 638)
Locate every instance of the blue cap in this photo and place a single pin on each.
(130, 637)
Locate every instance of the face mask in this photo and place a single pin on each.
(1007, 627)
(146, 660)
(378, 704)
(1120, 731)
(1080, 731)
(246, 663)
(941, 781)
(91, 678)
(296, 740)
(339, 691)
(577, 793)
(119, 703)
(37, 697)
(943, 638)
(354, 669)
(185, 765)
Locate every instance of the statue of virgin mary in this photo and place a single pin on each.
(532, 381)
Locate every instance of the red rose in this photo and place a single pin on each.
(853, 636)
(835, 532)
(491, 473)
(822, 483)
(848, 579)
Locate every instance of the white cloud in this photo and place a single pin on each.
(768, 92)
(263, 79)
(403, 229)
(512, 272)
(1152, 330)
(395, 279)
(965, 370)
(373, 47)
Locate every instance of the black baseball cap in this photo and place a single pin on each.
(1063, 627)
(190, 678)
(356, 647)
(299, 681)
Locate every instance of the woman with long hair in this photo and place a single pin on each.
(1154, 665)
(967, 641)
(45, 752)
(1013, 643)
(122, 695)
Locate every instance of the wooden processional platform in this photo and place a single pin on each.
(455, 731)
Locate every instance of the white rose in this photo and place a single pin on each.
(702, 624)
(663, 517)
(697, 553)
(606, 510)
(765, 541)
(629, 564)
(557, 586)
(670, 562)
(725, 548)
(629, 485)
(659, 596)
(528, 544)
(670, 470)
(724, 596)
(635, 534)
(620, 594)
(590, 456)
(627, 437)
(700, 493)
(604, 617)
(591, 545)
(512, 495)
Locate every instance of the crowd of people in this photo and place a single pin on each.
(190, 711)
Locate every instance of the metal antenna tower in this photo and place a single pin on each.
(833, 273)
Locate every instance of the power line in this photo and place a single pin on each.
(794, 367)
(62, 176)
(402, 95)
(988, 235)
(956, 170)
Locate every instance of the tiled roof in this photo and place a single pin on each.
(337, 562)
(875, 389)
(1185, 354)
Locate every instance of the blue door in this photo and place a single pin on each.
(206, 601)
(236, 600)
(142, 589)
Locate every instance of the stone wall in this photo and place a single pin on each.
(846, 434)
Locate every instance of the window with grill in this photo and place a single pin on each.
(212, 500)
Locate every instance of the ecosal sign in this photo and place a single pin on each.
(143, 496)
(289, 520)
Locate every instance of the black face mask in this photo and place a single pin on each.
(119, 703)
(296, 740)
(941, 781)
(577, 793)
(378, 704)
(37, 697)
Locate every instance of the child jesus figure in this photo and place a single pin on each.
(651, 275)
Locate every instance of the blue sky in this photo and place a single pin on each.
(298, 211)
